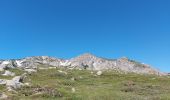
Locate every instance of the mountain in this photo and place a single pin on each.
(85, 61)
(48, 78)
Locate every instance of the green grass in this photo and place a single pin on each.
(53, 85)
(17, 71)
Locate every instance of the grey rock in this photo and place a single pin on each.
(30, 71)
(3, 96)
(60, 71)
(15, 82)
(27, 84)
(72, 79)
(2, 82)
(8, 73)
(73, 90)
(99, 73)
(5, 64)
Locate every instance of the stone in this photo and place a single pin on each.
(1, 69)
(73, 79)
(17, 79)
(62, 72)
(8, 73)
(99, 73)
(80, 77)
(26, 84)
(2, 82)
(73, 90)
(15, 83)
(52, 68)
(3, 96)
(30, 70)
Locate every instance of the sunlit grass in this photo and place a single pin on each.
(111, 85)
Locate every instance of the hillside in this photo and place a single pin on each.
(67, 84)
(85, 77)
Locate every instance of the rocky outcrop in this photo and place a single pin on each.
(32, 62)
(91, 62)
(85, 61)
(14, 83)
(8, 73)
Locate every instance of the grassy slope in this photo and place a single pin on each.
(109, 86)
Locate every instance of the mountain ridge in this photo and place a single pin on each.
(85, 61)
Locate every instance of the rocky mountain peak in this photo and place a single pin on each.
(124, 59)
(87, 55)
(84, 61)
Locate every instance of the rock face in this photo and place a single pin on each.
(91, 62)
(85, 61)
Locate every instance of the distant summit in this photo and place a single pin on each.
(85, 61)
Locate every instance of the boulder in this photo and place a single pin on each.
(30, 71)
(27, 84)
(16, 82)
(8, 73)
(73, 90)
(60, 71)
(73, 79)
(13, 84)
(99, 73)
(3, 96)
(2, 81)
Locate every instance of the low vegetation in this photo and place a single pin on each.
(65, 84)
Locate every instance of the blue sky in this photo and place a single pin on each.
(138, 29)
